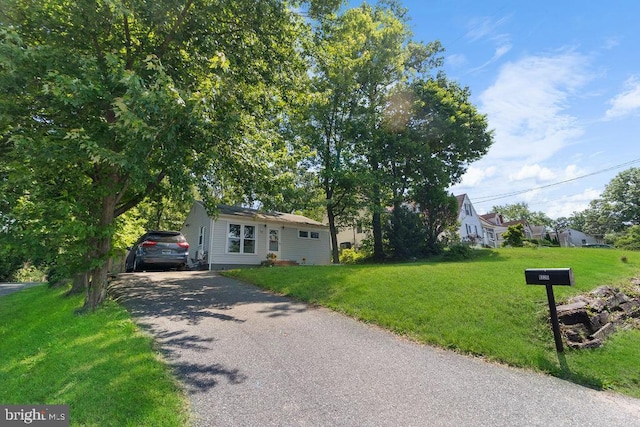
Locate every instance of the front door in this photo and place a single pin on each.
(273, 242)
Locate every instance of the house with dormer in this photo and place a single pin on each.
(469, 220)
(492, 229)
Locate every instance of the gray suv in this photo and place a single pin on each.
(158, 250)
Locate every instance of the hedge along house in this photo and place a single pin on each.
(241, 237)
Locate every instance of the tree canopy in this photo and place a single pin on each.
(115, 108)
(519, 211)
(386, 127)
(103, 102)
(617, 209)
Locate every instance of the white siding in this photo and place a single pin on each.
(220, 252)
(470, 224)
(306, 250)
(571, 237)
(196, 219)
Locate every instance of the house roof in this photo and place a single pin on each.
(460, 198)
(257, 215)
(516, 222)
(538, 229)
(492, 218)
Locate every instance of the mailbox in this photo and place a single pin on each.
(549, 276)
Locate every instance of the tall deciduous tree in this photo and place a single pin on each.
(103, 101)
(432, 133)
(518, 211)
(617, 208)
(336, 57)
(389, 58)
(621, 198)
(383, 126)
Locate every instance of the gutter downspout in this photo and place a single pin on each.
(210, 254)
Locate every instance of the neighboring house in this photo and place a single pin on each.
(538, 232)
(351, 236)
(572, 238)
(469, 220)
(492, 229)
(243, 237)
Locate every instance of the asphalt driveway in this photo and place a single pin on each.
(250, 358)
(8, 288)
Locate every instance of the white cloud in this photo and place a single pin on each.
(573, 171)
(565, 206)
(536, 172)
(476, 175)
(486, 29)
(626, 103)
(527, 106)
(501, 50)
(456, 60)
(611, 42)
(483, 27)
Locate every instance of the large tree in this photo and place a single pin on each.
(432, 132)
(336, 57)
(521, 211)
(617, 208)
(389, 58)
(383, 126)
(104, 101)
(621, 198)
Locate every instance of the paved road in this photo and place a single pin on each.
(249, 358)
(7, 288)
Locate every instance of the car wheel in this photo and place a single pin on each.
(136, 265)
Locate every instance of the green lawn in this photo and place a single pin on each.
(481, 306)
(98, 364)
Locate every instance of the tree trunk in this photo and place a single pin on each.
(378, 249)
(376, 223)
(376, 209)
(80, 283)
(97, 287)
(333, 232)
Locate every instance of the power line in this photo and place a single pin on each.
(516, 193)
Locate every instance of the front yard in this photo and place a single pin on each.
(110, 374)
(99, 364)
(481, 306)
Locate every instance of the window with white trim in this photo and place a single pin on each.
(241, 239)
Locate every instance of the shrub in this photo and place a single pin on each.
(29, 273)
(405, 234)
(351, 256)
(514, 236)
(629, 239)
(457, 252)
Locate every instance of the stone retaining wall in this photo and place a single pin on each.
(586, 320)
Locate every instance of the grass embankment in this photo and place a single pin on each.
(98, 364)
(481, 306)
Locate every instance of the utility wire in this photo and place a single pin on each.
(515, 193)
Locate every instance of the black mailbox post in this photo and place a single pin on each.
(550, 277)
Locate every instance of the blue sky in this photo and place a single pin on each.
(560, 84)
